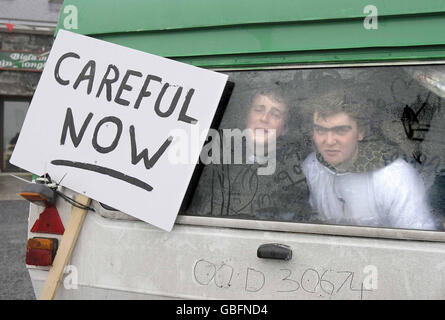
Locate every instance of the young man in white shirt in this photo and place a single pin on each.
(357, 182)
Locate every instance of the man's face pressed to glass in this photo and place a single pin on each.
(336, 138)
(268, 114)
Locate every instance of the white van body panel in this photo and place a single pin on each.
(128, 259)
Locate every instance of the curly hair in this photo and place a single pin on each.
(280, 93)
(337, 100)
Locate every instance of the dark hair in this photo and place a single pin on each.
(279, 92)
(336, 100)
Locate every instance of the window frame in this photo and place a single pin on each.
(312, 228)
(4, 98)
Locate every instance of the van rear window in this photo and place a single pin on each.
(359, 146)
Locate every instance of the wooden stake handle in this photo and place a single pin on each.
(65, 250)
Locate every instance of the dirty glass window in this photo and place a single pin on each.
(13, 114)
(357, 146)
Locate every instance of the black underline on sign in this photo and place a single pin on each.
(103, 170)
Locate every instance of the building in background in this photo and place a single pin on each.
(26, 36)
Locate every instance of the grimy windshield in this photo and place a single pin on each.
(357, 146)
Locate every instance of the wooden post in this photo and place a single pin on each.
(65, 250)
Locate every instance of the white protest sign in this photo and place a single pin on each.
(102, 115)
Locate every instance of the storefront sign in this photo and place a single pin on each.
(22, 61)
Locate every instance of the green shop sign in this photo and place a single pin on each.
(23, 61)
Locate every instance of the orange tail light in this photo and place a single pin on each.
(41, 251)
